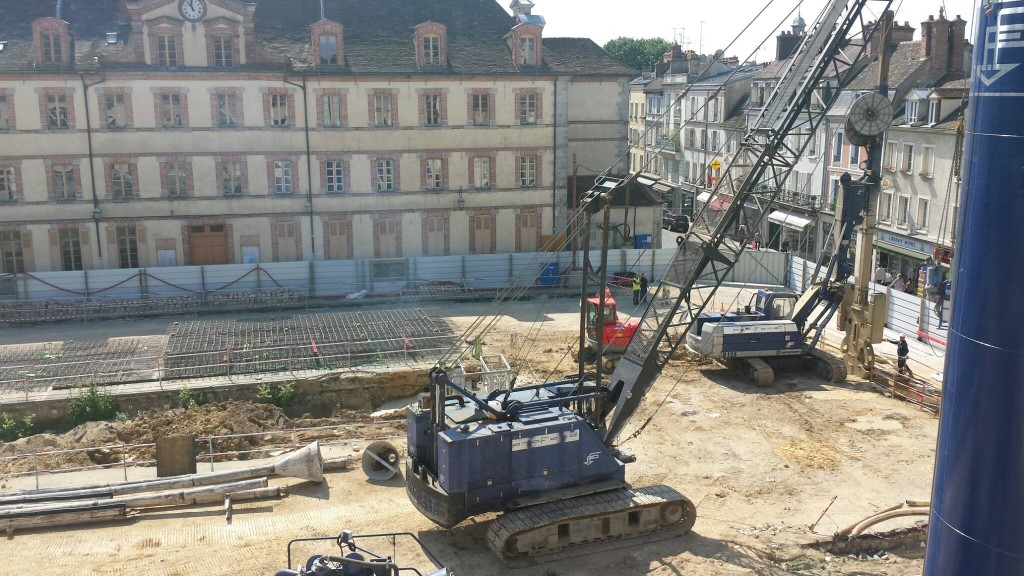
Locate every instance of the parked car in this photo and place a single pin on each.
(675, 222)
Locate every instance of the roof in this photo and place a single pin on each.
(476, 32)
(771, 70)
(638, 194)
(953, 88)
(905, 61)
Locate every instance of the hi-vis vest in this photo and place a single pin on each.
(636, 283)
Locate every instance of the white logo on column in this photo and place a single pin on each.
(997, 39)
(591, 458)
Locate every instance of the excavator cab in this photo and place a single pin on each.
(773, 305)
(611, 315)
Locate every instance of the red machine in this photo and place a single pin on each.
(615, 334)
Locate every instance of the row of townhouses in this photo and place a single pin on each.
(687, 142)
(140, 133)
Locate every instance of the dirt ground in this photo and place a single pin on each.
(761, 465)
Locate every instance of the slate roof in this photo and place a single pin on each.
(953, 88)
(906, 60)
(378, 35)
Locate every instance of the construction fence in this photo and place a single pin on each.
(907, 314)
(99, 294)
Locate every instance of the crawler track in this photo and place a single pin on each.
(623, 513)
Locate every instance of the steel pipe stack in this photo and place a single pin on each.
(977, 519)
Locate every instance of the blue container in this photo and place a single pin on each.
(642, 241)
(977, 513)
(549, 275)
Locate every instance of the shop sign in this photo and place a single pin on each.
(902, 242)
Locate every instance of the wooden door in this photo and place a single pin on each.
(208, 244)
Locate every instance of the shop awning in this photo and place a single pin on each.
(704, 197)
(790, 219)
(720, 203)
(885, 246)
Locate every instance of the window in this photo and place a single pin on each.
(908, 159)
(921, 224)
(528, 51)
(714, 140)
(167, 51)
(933, 111)
(282, 177)
(812, 144)
(5, 120)
(57, 110)
(70, 249)
(231, 174)
(891, 160)
(335, 170)
(432, 109)
(837, 148)
(8, 184)
(382, 110)
(854, 155)
(760, 94)
(332, 110)
(834, 196)
(12, 259)
(714, 109)
(177, 180)
(902, 210)
(64, 183)
(911, 111)
(703, 139)
(278, 109)
(527, 171)
(328, 50)
(481, 109)
(431, 51)
(51, 49)
(227, 110)
(433, 173)
(222, 51)
(117, 116)
(527, 108)
(690, 137)
(127, 247)
(170, 111)
(928, 161)
(122, 186)
(885, 207)
(482, 172)
(385, 176)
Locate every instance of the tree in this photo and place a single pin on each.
(637, 52)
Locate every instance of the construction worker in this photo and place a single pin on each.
(902, 352)
(636, 290)
(643, 286)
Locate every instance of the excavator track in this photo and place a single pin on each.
(555, 526)
(829, 367)
(756, 370)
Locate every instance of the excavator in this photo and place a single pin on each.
(546, 456)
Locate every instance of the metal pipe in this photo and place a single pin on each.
(882, 517)
(309, 161)
(92, 169)
(977, 518)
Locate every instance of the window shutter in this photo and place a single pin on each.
(140, 234)
(29, 255)
(83, 236)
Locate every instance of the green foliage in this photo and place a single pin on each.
(282, 396)
(637, 53)
(11, 429)
(91, 405)
(191, 399)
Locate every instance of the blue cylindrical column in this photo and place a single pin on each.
(977, 518)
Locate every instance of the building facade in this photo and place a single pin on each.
(157, 133)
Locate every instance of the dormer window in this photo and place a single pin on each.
(430, 43)
(431, 50)
(527, 51)
(223, 48)
(328, 43)
(911, 111)
(167, 51)
(933, 111)
(51, 49)
(328, 50)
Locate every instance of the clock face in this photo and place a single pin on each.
(192, 10)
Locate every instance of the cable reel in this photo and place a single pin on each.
(869, 116)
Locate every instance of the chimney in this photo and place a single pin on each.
(938, 63)
(927, 37)
(957, 53)
(675, 52)
(904, 33)
(785, 44)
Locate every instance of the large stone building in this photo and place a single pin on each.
(173, 132)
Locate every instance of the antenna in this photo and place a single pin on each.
(59, 2)
(323, 15)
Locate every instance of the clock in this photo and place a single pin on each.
(192, 10)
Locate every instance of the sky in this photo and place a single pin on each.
(603, 20)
